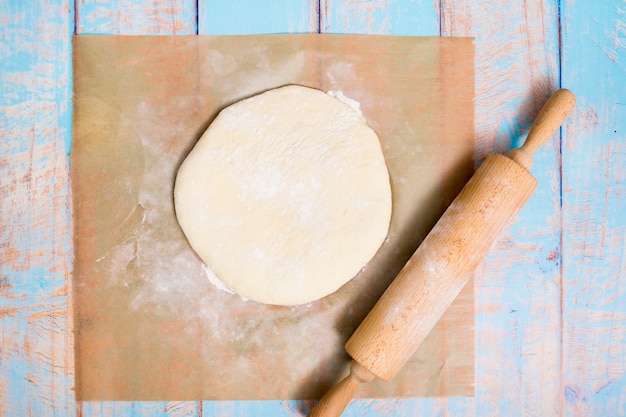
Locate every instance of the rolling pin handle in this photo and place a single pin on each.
(338, 398)
(549, 119)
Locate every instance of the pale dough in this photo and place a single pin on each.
(286, 196)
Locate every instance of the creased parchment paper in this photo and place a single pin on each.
(149, 325)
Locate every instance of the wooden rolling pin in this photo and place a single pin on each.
(444, 262)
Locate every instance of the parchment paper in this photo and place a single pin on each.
(148, 324)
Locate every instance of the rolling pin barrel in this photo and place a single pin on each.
(446, 259)
(441, 266)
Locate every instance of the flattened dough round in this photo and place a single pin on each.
(286, 196)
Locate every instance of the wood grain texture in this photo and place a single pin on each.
(594, 210)
(518, 286)
(36, 355)
(547, 344)
(136, 17)
(380, 17)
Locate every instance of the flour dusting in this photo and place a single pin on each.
(213, 279)
(339, 95)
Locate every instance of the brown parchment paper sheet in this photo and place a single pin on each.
(148, 324)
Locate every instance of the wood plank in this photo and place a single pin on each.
(145, 17)
(400, 18)
(376, 17)
(517, 51)
(138, 408)
(247, 17)
(136, 17)
(36, 365)
(518, 286)
(594, 210)
(243, 17)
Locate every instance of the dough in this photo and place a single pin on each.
(286, 196)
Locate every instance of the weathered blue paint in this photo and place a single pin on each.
(594, 209)
(248, 17)
(542, 307)
(394, 17)
(35, 232)
(517, 287)
(136, 17)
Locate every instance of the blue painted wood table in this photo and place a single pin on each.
(550, 297)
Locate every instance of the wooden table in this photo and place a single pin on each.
(550, 298)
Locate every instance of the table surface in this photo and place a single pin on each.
(550, 298)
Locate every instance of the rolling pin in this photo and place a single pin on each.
(443, 263)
